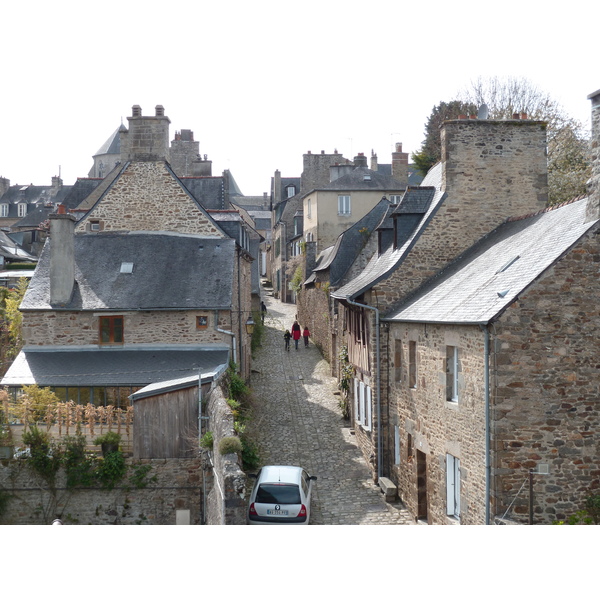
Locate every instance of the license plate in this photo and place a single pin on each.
(277, 513)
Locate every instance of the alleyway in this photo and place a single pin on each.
(297, 421)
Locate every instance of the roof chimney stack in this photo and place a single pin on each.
(62, 256)
(148, 137)
(593, 206)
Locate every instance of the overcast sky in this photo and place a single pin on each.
(260, 83)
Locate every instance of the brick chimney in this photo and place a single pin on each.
(147, 138)
(400, 165)
(360, 160)
(62, 256)
(374, 164)
(4, 186)
(593, 206)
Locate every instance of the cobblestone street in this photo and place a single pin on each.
(297, 421)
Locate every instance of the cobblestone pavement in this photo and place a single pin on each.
(297, 421)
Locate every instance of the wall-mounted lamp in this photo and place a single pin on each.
(250, 326)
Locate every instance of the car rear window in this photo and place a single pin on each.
(273, 493)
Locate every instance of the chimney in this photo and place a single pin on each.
(373, 161)
(148, 137)
(360, 160)
(277, 188)
(4, 186)
(62, 256)
(57, 184)
(593, 205)
(400, 165)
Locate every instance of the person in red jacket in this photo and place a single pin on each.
(296, 332)
(306, 335)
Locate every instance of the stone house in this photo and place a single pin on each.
(431, 447)
(352, 191)
(144, 287)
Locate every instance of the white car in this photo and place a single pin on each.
(281, 495)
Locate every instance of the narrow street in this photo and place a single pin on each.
(297, 421)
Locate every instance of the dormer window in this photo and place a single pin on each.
(395, 199)
(3, 210)
(22, 211)
(291, 190)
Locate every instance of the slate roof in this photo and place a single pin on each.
(203, 268)
(12, 251)
(92, 366)
(33, 195)
(339, 258)
(488, 277)
(362, 178)
(208, 191)
(113, 144)
(411, 225)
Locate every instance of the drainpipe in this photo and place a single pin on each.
(486, 380)
(378, 390)
(239, 286)
(228, 333)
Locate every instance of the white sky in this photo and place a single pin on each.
(260, 82)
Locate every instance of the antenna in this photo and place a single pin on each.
(483, 112)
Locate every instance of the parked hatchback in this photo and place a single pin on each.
(281, 495)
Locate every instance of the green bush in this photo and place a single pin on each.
(110, 437)
(207, 440)
(230, 445)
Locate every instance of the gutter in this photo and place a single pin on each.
(378, 361)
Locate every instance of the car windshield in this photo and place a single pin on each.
(276, 493)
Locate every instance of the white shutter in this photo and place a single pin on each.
(449, 484)
(456, 487)
(368, 408)
(361, 403)
(356, 415)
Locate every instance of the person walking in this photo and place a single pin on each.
(286, 336)
(263, 311)
(306, 335)
(296, 333)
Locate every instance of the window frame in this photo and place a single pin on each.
(452, 368)
(412, 365)
(22, 209)
(344, 205)
(452, 486)
(4, 209)
(111, 320)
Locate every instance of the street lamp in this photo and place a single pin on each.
(250, 325)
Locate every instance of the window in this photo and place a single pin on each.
(3, 210)
(22, 211)
(412, 364)
(397, 360)
(111, 330)
(394, 199)
(452, 373)
(344, 205)
(201, 322)
(362, 403)
(95, 226)
(396, 445)
(309, 209)
(291, 190)
(452, 486)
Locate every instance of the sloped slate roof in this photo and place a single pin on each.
(380, 266)
(487, 278)
(52, 366)
(113, 144)
(12, 251)
(362, 178)
(208, 191)
(350, 243)
(170, 272)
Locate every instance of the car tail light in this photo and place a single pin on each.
(252, 510)
(302, 512)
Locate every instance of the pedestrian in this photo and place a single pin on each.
(306, 335)
(286, 336)
(263, 311)
(296, 333)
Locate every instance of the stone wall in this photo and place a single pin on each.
(435, 426)
(226, 504)
(313, 312)
(547, 396)
(147, 197)
(176, 494)
(82, 328)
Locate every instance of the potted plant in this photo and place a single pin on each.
(109, 442)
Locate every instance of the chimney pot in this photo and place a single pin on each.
(136, 110)
(515, 115)
(524, 115)
(160, 110)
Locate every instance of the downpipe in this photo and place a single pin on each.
(228, 333)
(486, 384)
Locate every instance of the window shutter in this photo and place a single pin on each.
(449, 484)
(368, 408)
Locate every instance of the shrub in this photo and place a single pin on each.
(110, 437)
(230, 445)
(207, 440)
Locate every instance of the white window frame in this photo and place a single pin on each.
(3, 210)
(395, 198)
(291, 190)
(452, 486)
(452, 373)
(362, 404)
(22, 209)
(344, 205)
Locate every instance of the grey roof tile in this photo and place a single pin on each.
(488, 277)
